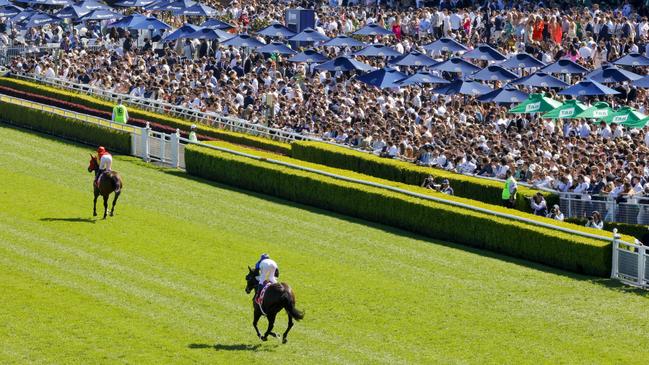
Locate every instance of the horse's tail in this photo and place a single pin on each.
(117, 181)
(290, 304)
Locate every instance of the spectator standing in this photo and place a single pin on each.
(509, 190)
(539, 205)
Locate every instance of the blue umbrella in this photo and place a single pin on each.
(38, 20)
(243, 40)
(181, 32)
(92, 5)
(127, 21)
(463, 87)
(4, 2)
(343, 41)
(101, 14)
(196, 10)
(134, 3)
(456, 65)
(178, 5)
(612, 74)
(445, 45)
(71, 12)
(414, 58)
(382, 78)
(150, 23)
(540, 79)
(277, 31)
(484, 52)
(378, 50)
(209, 33)
(23, 15)
(344, 63)
(521, 60)
(632, 59)
(642, 83)
(309, 56)
(7, 11)
(588, 88)
(309, 35)
(565, 66)
(216, 23)
(373, 29)
(504, 95)
(276, 47)
(50, 2)
(494, 73)
(158, 5)
(422, 78)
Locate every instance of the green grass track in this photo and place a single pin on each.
(162, 281)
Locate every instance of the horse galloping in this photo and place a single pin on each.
(277, 297)
(109, 182)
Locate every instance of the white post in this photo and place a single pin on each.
(641, 265)
(175, 148)
(614, 261)
(145, 142)
(163, 143)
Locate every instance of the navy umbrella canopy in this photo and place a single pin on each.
(309, 56)
(127, 21)
(276, 47)
(521, 60)
(38, 20)
(445, 45)
(344, 63)
(177, 5)
(133, 3)
(277, 30)
(494, 73)
(71, 12)
(101, 14)
(422, 78)
(463, 87)
(540, 79)
(181, 32)
(642, 83)
(210, 34)
(506, 94)
(25, 14)
(50, 2)
(382, 78)
(196, 10)
(150, 23)
(565, 66)
(632, 59)
(378, 50)
(484, 52)
(456, 65)
(7, 11)
(414, 58)
(243, 40)
(343, 41)
(612, 74)
(373, 29)
(309, 35)
(216, 23)
(588, 88)
(92, 5)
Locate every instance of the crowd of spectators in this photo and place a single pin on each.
(454, 133)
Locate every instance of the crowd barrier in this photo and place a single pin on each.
(629, 264)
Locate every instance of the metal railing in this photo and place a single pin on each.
(212, 119)
(629, 263)
(629, 210)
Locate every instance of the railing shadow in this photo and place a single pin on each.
(74, 220)
(231, 347)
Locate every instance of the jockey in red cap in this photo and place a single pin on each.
(105, 163)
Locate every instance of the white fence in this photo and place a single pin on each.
(627, 210)
(630, 263)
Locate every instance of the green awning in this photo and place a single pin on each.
(535, 103)
(599, 110)
(569, 109)
(627, 117)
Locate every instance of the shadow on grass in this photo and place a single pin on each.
(74, 220)
(232, 347)
(608, 283)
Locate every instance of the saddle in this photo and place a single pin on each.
(259, 299)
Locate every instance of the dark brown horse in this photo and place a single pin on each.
(278, 296)
(110, 182)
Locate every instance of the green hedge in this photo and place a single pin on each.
(118, 141)
(103, 105)
(635, 230)
(484, 190)
(436, 220)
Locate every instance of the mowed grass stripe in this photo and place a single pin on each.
(372, 294)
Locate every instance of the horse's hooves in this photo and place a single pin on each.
(264, 338)
(112, 214)
(284, 340)
(94, 214)
(104, 217)
(273, 334)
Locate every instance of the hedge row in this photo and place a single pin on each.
(94, 102)
(435, 220)
(635, 230)
(118, 141)
(487, 191)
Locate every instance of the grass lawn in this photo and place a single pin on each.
(162, 281)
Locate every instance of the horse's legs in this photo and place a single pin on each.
(271, 323)
(112, 210)
(105, 205)
(290, 324)
(94, 204)
(255, 319)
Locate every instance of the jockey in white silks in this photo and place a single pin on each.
(268, 271)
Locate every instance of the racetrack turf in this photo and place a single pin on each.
(162, 281)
